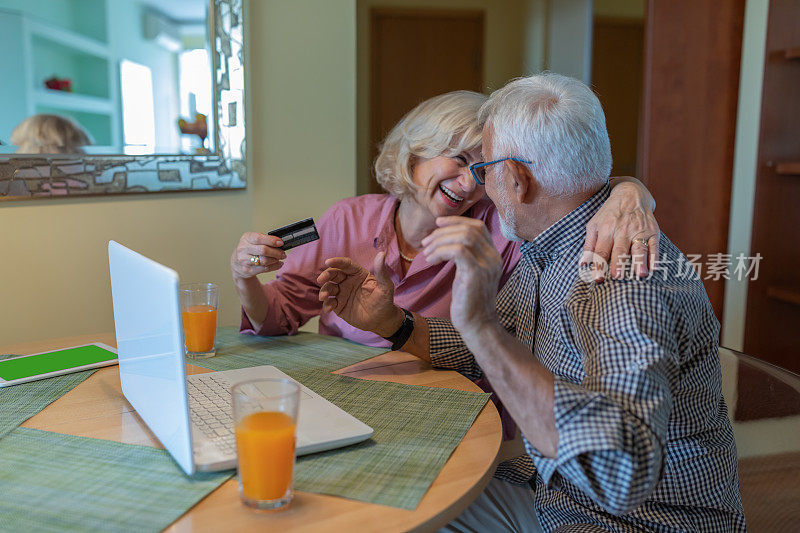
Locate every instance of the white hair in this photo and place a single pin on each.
(557, 123)
(508, 220)
(443, 125)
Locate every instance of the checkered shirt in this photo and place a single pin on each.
(644, 439)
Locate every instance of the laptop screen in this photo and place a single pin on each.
(147, 321)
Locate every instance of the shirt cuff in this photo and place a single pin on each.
(448, 350)
(245, 326)
(584, 424)
(445, 341)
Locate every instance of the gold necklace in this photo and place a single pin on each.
(404, 256)
(399, 236)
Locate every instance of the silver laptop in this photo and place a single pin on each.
(192, 416)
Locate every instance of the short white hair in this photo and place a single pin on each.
(557, 123)
(443, 125)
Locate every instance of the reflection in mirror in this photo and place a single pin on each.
(50, 134)
(105, 77)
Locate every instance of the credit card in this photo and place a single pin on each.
(296, 234)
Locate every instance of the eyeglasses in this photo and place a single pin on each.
(479, 169)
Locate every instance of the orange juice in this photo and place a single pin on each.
(265, 446)
(200, 327)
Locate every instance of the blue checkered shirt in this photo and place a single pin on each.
(644, 439)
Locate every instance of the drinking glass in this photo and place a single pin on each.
(265, 421)
(199, 302)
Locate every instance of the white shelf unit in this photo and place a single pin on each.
(51, 50)
(73, 102)
(68, 38)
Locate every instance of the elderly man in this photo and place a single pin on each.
(616, 387)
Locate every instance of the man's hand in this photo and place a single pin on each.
(361, 299)
(467, 242)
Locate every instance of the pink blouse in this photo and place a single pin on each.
(359, 228)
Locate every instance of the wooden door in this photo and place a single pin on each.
(772, 328)
(417, 54)
(617, 48)
(691, 88)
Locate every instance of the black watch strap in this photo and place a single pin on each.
(402, 335)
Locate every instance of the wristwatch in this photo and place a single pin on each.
(401, 336)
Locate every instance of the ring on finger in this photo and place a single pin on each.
(641, 240)
(255, 260)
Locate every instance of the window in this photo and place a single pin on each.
(138, 108)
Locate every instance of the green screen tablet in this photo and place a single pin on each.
(48, 364)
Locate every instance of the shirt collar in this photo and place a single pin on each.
(571, 228)
(386, 241)
(385, 225)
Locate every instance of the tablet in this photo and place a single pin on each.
(55, 363)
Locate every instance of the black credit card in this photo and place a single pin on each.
(296, 234)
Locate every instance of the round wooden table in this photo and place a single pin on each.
(96, 408)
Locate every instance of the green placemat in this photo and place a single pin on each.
(290, 353)
(20, 402)
(54, 482)
(416, 430)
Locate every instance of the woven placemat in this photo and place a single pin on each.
(301, 352)
(20, 402)
(54, 482)
(416, 431)
(416, 428)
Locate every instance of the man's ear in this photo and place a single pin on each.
(522, 181)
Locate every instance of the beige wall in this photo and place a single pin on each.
(513, 47)
(303, 129)
(54, 266)
(569, 38)
(301, 137)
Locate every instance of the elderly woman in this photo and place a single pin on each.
(424, 166)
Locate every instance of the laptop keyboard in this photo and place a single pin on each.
(210, 409)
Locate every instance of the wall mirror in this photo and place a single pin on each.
(120, 96)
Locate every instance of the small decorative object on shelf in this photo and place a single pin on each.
(59, 84)
(199, 127)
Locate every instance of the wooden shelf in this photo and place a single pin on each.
(784, 295)
(788, 168)
(793, 53)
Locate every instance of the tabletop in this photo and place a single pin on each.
(96, 408)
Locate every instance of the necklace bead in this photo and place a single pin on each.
(404, 256)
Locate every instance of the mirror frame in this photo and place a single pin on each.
(33, 176)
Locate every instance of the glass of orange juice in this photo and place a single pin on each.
(199, 302)
(265, 419)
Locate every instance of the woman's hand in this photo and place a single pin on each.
(617, 233)
(252, 244)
